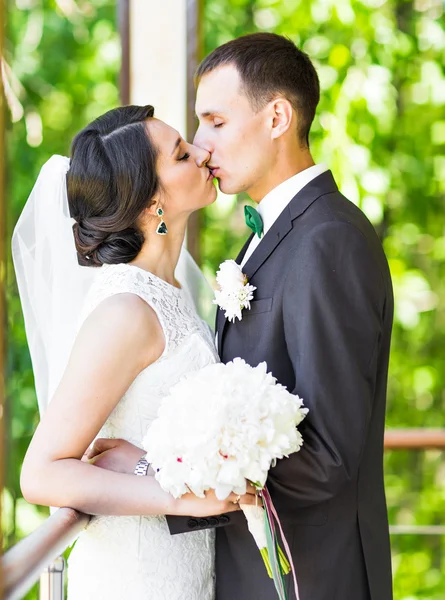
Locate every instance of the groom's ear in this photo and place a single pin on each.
(282, 115)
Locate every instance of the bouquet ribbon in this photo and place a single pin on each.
(271, 516)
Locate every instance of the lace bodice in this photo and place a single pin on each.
(189, 346)
(184, 563)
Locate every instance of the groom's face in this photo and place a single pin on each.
(237, 136)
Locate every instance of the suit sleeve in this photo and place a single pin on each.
(332, 315)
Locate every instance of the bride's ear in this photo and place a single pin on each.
(146, 216)
(150, 211)
(282, 116)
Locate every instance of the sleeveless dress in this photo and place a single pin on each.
(136, 558)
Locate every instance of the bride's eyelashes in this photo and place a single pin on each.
(185, 157)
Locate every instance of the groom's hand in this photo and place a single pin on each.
(114, 455)
(192, 506)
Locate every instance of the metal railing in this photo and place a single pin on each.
(38, 556)
(28, 560)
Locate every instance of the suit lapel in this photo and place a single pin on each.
(221, 321)
(273, 237)
(220, 325)
(239, 258)
(323, 184)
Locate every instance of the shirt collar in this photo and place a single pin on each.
(273, 203)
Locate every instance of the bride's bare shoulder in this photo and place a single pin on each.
(127, 321)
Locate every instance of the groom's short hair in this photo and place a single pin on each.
(270, 65)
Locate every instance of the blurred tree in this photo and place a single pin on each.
(381, 129)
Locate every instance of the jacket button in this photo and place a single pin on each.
(224, 519)
(203, 523)
(192, 523)
(213, 521)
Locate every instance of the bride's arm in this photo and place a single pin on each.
(119, 339)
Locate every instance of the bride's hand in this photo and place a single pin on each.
(122, 456)
(191, 505)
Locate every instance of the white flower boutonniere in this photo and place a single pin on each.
(234, 292)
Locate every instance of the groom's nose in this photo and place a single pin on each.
(200, 141)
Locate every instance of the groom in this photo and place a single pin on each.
(321, 319)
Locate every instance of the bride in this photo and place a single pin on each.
(111, 323)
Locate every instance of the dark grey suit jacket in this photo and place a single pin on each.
(321, 318)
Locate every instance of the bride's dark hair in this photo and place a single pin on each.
(111, 179)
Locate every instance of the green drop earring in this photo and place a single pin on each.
(162, 227)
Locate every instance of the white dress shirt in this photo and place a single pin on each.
(273, 204)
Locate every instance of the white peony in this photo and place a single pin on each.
(230, 275)
(221, 426)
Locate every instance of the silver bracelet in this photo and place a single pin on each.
(142, 466)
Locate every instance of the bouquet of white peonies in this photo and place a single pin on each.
(221, 427)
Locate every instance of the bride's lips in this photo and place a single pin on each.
(213, 170)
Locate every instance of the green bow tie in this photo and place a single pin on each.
(253, 220)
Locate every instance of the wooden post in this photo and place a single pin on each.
(123, 20)
(161, 48)
(157, 58)
(195, 51)
(2, 277)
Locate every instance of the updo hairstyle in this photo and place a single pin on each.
(112, 178)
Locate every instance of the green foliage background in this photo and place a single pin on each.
(381, 129)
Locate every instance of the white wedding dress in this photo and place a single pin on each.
(136, 558)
